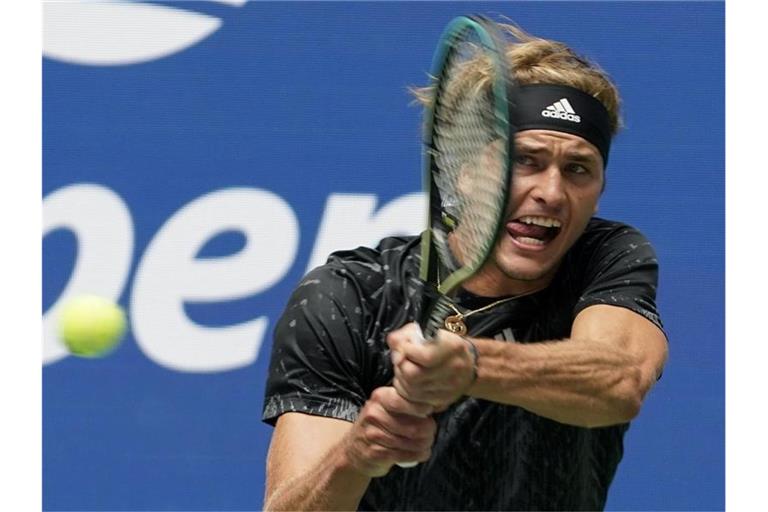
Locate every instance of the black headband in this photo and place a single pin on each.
(564, 109)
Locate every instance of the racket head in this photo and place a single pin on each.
(468, 150)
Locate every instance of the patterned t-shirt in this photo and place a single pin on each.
(330, 353)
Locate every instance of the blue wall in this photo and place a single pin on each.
(199, 159)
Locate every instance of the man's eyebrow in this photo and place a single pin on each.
(582, 156)
(527, 147)
(575, 155)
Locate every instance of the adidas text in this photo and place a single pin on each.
(561, 115)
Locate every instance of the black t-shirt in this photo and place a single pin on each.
(330, 353)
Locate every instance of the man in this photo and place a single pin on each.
(528, 410)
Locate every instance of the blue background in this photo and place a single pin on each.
(309, 99)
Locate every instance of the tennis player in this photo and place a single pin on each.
(523, 402)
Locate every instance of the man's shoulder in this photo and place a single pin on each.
(392, 258)
(388, 251)
(599, 226)
(605, 244)
(601, 232)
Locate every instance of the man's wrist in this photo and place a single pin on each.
(351, 463)
(475, 357)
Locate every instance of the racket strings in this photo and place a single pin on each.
(468, 156)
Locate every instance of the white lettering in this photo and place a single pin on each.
(350, 220)
(119, 33)
(168, 275)
(561, 115)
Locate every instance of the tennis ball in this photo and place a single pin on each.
(91, 326)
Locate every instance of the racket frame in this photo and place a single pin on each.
(503, 93)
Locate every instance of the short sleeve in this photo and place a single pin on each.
(620, 269)
(317, 360)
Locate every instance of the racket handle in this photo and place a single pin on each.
(417, 338)
(437, 314)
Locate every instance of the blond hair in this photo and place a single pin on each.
(535, 60)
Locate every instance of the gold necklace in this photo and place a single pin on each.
(455, 323)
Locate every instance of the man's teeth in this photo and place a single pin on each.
(530, 241)
(540, 221)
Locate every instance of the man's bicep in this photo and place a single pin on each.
(299, 443)
(627, 330)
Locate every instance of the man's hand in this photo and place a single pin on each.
(390, 429)
(437, 373)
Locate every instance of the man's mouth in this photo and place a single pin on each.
(534, 230)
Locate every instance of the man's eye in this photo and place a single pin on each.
(524, 160)
(578, 169)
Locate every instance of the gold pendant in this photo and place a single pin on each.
(455, 324)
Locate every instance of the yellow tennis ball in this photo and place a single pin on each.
(91, 326)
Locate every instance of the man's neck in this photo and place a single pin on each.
(491, 282)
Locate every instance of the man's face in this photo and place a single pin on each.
(557, 179)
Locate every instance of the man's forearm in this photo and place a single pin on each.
(332, 484)
(571, 381)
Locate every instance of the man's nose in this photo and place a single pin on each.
(549, 187)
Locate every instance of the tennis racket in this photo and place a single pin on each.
(468, 151)
(468, 154)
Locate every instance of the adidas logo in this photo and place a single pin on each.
(561, 109)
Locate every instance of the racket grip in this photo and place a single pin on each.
(425, 295)
(440, 309)
(418, 336)
(429, 295)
